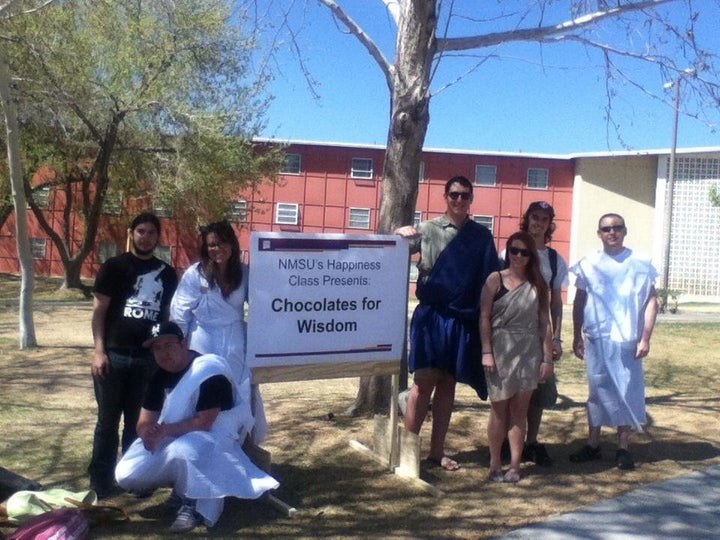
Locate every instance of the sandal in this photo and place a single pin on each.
(496, 476)
(512, 476)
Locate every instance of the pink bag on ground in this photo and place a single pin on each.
(58, 524)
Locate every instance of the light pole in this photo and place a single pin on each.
(670, 186)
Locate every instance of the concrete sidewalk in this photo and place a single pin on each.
(687, 507)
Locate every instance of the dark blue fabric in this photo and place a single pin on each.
(444, 330)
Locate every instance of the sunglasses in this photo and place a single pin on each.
(519, 251)
(464, 195)
(616, 228)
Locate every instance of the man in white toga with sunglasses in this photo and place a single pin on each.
(613, 318)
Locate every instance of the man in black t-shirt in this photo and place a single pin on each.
(192, 424)
(132, 292)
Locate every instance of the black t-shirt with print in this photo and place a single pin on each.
(140, 291)
(215, 391)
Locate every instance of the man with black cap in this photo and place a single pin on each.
(192, 424)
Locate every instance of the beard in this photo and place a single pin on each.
(142, 252)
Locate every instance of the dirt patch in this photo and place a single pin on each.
(47, 418)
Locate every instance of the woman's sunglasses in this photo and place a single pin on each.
(519, 251)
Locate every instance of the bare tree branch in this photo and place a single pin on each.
(543, 32)
(355, 29)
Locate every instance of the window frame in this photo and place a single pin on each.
(355, 223)
(534, 170)
(101, 253)
(36, 243)
(482, 218)
(237, 211)
(283, 207)
(477, 181)
(286, 170)
(361, 173)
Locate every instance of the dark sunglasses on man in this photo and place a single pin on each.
(464, 195)
(616, 228)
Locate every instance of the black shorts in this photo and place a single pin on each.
(546, 394)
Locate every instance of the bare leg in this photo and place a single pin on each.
(442, 405)
(417, 404)
(518, 407)
(496, 431)
(623, 434)
(594, 436)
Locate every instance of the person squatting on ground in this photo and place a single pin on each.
(209, 306)
(517, 348)
(132, 292)
(613, 318)
(192, 425)
(456, 256)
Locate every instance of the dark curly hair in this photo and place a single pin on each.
(545, 207)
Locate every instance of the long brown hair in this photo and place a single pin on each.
(233, 272)
(532, 271)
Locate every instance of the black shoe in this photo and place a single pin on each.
(103, 490)
(586, 453)
(624, 460)
(537, 453)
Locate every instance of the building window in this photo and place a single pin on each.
(106, 250)
(417, 219)
(112, 203)
(287, 213)
(41, 196)
(37, 247)
(485, 175)
(421, 174)
(237, 210)
(414, 272)
(359, 218)
(160, 210)
(537, 178)
(361, 168)
(487, 221)
(292, 164)
(163, 253)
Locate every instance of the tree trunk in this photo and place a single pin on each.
(27, 282)
(409, 119)
(72, 276)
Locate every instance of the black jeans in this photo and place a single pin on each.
(119, 393)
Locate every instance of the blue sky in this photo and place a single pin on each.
(532, 98)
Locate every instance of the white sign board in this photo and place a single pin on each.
(324, 298)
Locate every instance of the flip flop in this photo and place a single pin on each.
(444, 463)
(512, 476)
(496, 476)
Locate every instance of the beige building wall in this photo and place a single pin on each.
(625, 185)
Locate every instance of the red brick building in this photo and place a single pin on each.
(336, 188)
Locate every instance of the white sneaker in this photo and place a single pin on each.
(186, 520)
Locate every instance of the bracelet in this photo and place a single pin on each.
(557, 340)
(486, 353)
(547, 362)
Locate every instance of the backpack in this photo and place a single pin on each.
(552, 255)
(57, 524)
